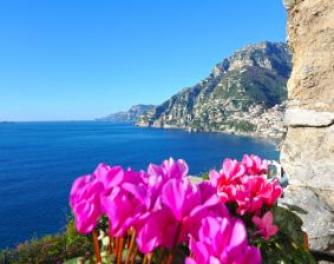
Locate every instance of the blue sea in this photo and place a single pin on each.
(40, 160)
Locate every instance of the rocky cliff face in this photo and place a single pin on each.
(128, 116)
(243, 94)
(308, 151)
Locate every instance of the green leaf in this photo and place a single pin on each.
(287, 247)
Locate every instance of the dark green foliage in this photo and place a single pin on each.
(197, 124)
(283, 252)
(287, 247)
(241, 125)
(49, 249)
(254, 85)
(264, 87)
(205, 176)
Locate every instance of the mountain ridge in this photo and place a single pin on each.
(129, 116)
(244, 94)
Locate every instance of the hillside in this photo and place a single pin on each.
(128, 116)
(245, 94)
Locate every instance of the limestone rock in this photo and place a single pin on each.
(311, 38)
(307, 156)
(308, 151)
(317, 216)
(289, 3)
(303, 117)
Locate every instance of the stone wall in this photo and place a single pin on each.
(308, 151)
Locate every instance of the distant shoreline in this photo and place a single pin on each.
(273, 140)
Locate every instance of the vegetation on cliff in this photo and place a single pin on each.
(239, 95)
(55, 248)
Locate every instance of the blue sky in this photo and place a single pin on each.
(80, 59)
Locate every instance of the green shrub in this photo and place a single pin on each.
(241, 125)
(205, 176)
(49, 249)
(288, 245)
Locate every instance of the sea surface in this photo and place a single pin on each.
(40, 160)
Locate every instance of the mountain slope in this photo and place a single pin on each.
(128, 116)
(243, 94)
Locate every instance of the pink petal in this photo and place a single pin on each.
(257, 221)
(267, 218)
(173, 196)
(272, 230)
(190, 261)
(199, 251)
(214, 176)
(138, 191)
(109, 176)
(238, 236)
(214, 260)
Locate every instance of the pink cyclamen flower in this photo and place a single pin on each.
(109, 176)
(222, 241)
(85, 203)
(189, 203)
(254, 165)
(248, 196)
(175, 169)
(158, 228)
(265, 225)
(177, 213)
(125, 201)
(168, 169)
(227, 179)
(255, 191)
(271, 192)
(152, 224)
(158, 175)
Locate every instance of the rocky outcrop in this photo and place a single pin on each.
(244, 94)
(308, 151)
(308, 118)
(316, 215)
(128, 116)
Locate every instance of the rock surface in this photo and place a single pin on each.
(316, 215)
(244, 94)
(308, 118)
(308, 151)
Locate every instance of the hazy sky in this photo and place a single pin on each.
(66, 59)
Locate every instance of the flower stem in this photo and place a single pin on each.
(116, 240)
(111, 244)
(131, 246)
(96, 247)
(120, 250)
(306, 243)
(133, 257)
(170, 257)
(128, 239)
(149, 258)
(144, 259)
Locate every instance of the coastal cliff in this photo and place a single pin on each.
(244, 94)
(308, 151)
(129, 116)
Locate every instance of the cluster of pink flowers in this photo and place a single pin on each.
(222, 240)
(245, 183)
(164, 208)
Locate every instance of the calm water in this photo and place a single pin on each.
(38, 162)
